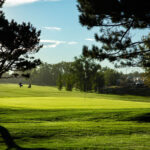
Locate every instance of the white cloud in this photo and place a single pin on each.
(55, 43)
(72, 43)
(52, 28)
(51, 0)
(89, 39)
(18, 2)
(10, 3)
(51, 43)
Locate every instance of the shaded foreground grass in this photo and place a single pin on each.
(74, 120)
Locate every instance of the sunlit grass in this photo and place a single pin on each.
(69, 103)
(46, 117)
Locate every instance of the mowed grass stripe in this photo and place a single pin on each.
(68, 103)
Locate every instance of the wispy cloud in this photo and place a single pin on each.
(52, 0)
(52, 28)
(51, 43)
(89, 39)
(55, 43)
(18, 2)
(10, 3)
(72, 43)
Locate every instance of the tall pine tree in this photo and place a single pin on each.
(18, 43)
(117, 20)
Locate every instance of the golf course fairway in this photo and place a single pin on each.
(44, 117)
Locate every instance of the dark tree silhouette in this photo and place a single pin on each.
(18, 43)
(117, 20)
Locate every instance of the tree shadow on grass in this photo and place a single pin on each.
(8, 139)
(145, 118)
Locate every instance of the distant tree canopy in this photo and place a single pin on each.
(111, 76)
(117, 19)
(49, 74)
(85, 71)
(82, 74)
(18, 43)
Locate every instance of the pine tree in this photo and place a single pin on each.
(18, 43)
(116, 21)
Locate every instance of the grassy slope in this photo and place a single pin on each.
(46, 117)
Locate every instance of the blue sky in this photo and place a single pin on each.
(62, 34)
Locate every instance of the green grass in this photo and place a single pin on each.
(46, 117)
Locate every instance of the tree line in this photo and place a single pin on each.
(83, 74)
(87, 75)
